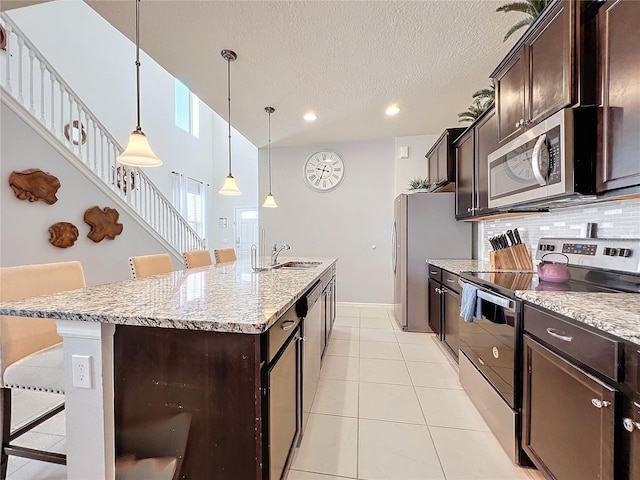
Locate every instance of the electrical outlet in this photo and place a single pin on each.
(81, 371)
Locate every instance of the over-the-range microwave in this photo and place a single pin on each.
(549, 165)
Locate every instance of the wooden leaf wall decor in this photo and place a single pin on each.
(63, 234)
(34, 184)
(104, 223)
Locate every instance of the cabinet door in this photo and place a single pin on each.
(564, 432)
(464, 176)
(283, 408)
(451, 320)
(434, 307)
(510, 96)
(619, 89)
(550, 63)
(443, 164)
(432, 167)
(486, 142)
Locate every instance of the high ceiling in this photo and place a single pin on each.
(345, 60)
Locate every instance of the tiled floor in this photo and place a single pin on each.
(388, 406)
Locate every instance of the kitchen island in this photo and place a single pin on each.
(195, 341)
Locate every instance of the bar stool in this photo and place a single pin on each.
(31, 355)
(224, 255)
(198, 258)
(148, 265)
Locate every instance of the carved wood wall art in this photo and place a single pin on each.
(63, 234)
(71, 133)
(3, 38)
(34, 184)
(104, 223)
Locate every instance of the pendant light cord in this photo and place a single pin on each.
(269, 153)
(138, 127)
(229, 104)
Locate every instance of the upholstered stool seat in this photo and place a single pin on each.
(225, 255)
(148, 265)
(197, 258)
(42, 371)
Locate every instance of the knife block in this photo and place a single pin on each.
(515, 257)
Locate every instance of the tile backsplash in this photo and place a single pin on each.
(615, 219)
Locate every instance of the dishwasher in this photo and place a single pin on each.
(311, 348)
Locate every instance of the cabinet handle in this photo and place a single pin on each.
(433, 273)
(600, 403)
(468, 209)
(288, 325)
(450, 280)
(630, 425)
(517, 124)
(559, 336)
(438, 290)
(480, 361)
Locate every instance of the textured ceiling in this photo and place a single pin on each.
(345, 60)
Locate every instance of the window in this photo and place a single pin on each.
(187, 109)
(190, 199)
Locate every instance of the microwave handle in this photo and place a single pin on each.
(540, 160)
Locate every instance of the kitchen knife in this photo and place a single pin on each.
(503, 240)
(493, 243)
(512, 238)
(517, 236)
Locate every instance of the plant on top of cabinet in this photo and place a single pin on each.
(533, 8)
(483, 100)
(419, 184)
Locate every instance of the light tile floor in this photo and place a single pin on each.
(388, 406)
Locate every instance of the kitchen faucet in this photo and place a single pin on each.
(275, 251)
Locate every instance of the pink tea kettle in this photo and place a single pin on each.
(553, 272)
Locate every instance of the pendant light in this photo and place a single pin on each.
(229, 187)
(270, 202)
(138, 152)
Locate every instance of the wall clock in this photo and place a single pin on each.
(323, 171)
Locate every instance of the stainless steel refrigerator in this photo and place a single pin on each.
(424, 227)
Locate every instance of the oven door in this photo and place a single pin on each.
(489, 341)
(532, 166)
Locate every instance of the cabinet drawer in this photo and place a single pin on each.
(435, 273)
(598, 352)
(450, 280)
(281, 331)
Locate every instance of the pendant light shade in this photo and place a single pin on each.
(270, 202)
(138, 152)
(229, 187)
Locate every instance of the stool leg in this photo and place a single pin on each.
(5, 428)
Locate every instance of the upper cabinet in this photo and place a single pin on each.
(441, 161)
(472, 168)
(538, 77)
(619, 93)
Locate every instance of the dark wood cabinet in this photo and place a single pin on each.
(441, 161)
(538, 77)
(435, 300)
(568, 417)
(472, 169)
(618, 88)
(444, 307)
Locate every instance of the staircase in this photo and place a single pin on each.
(33, 89)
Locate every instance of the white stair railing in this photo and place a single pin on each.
(38, 88)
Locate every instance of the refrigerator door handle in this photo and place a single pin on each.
(394, 247)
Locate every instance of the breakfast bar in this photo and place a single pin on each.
(195, 341)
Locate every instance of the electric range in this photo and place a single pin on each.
(491, 343)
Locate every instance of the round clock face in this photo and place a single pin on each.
(519, 167)
(323, 171)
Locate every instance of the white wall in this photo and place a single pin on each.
(344, 223)
(97, 61)
(24, 236)
(416, 165)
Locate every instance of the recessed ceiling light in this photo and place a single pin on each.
(310, 117)
(392, 110)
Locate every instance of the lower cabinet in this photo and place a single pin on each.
(451, 320)
(568, 426)
(444, 307)
(435, 300)
(328, 307)
(283, 379)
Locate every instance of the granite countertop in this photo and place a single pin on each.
(614, 313)
(228, 297)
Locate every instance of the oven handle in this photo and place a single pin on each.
(495, 299)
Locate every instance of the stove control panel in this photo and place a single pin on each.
(619, 254)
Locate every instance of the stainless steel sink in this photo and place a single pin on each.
(298, 265)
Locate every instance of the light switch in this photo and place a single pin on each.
(404, 152)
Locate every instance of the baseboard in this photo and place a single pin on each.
(365, 305)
